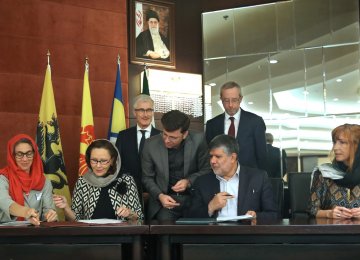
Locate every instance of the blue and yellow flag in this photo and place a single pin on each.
(87, 132)
(117, 117)
(49, 142)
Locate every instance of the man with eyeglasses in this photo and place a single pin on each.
(130, 141)
(248, 128)
(171, 162)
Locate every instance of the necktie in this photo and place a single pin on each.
(231, 131)
(142, 140)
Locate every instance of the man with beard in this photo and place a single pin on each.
(151, 44)
(231, 189)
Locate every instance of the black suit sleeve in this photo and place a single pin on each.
(268, 206)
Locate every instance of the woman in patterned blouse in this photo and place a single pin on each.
(335, 187)
(102, 192)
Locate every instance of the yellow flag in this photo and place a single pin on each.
(87, 134)
(49, 142)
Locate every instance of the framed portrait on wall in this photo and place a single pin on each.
(152, 33)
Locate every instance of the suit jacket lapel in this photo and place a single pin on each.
(243, 124)
(243, 182)
(163, 154)
(134, 140)
(188, 153)
(221, 127)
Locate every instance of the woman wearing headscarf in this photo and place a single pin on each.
(335, 187)
(25, 193)
(102, 192)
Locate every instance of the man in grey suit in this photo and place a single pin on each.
(170, 163)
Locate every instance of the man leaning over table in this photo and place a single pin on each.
(170, 163)
(231, 189)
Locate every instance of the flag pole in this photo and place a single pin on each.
(48, 57)
(87, 63)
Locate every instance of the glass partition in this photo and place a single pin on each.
(297, 63)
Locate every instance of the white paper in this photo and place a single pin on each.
(15, 223)
(101, 221)
(233, 218)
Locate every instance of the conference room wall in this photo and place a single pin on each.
(71, 30)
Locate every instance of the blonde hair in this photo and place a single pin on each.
(352, 133)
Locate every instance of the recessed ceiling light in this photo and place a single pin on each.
(212, 84)
(273, 61)
(335, 99)
(338, 80)
(250, 103)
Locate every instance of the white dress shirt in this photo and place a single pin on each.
(139, 134)
(228, 122)
(230, 186)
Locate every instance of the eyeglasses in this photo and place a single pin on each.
(102, 162)
(232, 100)
(20, 155)
(143, 111)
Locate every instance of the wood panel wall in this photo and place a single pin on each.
(71, 30)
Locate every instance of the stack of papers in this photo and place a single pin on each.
(15, 223)
(195, 221)
(233, 218)
(102, 221)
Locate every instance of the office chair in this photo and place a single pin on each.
(278, 191)
(299, 191)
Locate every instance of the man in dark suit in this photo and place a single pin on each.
(171, 162)
(248, 128)
(274, 168)
(151, 44)
(231, 189)
(129, 140)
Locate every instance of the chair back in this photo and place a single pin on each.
(299, 191)
(278, 191)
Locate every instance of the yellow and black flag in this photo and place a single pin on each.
(49, 142)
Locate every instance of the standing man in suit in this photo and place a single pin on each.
(171, 162)
(276, 159)
(248, 128)
(129, 141)
(231, 189)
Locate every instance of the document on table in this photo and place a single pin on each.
(233, 218)
(199, 221)
(15, 223)
(101, 221)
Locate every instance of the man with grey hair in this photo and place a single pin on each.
(130, 141)
(248, 128)
(231, 189)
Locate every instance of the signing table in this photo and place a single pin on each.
(72, 240)
(307, 239)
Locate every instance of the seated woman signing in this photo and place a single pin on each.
(25, 193)
(102, 192)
